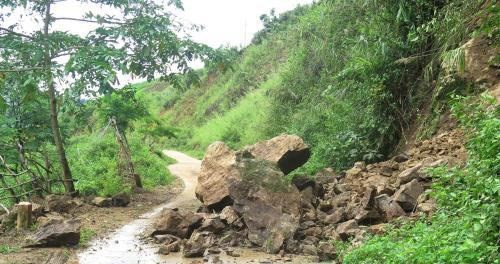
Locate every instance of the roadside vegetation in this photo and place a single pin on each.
(465, 229)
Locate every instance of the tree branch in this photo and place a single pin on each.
(21, 69)
(15, 33)
(89, 20)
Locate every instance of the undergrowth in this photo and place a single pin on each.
(94, 158)
(86, 235)
(465, 229)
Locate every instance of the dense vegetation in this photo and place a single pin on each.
(465, 229)
(347, 76)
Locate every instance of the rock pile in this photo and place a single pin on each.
(248, 201)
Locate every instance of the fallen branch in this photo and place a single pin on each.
(4, 208)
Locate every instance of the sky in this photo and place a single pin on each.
(232, 22)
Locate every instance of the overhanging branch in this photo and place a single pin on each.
(12, 32)
(89, 20)
(21, 69)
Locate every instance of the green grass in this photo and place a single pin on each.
(95, 164)
(241, 125)
(86, 235)
(7, 249)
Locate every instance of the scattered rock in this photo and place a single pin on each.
(102, 202)
(197, 244)
(59, 203)
(166, 249)
(177, 222)
(427, 207)
(326, 251)
(165, 239)
(379, 229)
(231, 217)
(408, 194)
(121, 200)
(367, 217)
(232, 252)
(58, 233)
(310, 250)
(408, 175)
(339, 215)
(389, 208)
(212, 224)
(368, 198)
(401, 158)
(347, 229)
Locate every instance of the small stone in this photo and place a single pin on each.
(408, 175)
(347, 229)
(401, 158)
(379, 229)
(102, 202)
(310, 250)
(408, 194)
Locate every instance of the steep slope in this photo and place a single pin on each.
(351, 78)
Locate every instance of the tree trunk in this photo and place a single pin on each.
(125, 154)
(54, 123)
(24, 215)
(35, 184)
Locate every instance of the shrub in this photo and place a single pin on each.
(465, 229)
(95, 166)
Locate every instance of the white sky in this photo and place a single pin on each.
(232, 21)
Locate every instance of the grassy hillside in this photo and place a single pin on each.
(350, 77)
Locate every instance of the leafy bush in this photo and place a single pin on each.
(94, 159)
(465, 229)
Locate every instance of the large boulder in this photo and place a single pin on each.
(177, 222)
(57, 233)
(268, 204)
(218, 169)
(256, 189)
(287, 151)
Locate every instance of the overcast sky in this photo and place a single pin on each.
(232, 21)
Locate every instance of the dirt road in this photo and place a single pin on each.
(124, 246)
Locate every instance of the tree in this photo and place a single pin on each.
(144, 41)
(119, 109)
